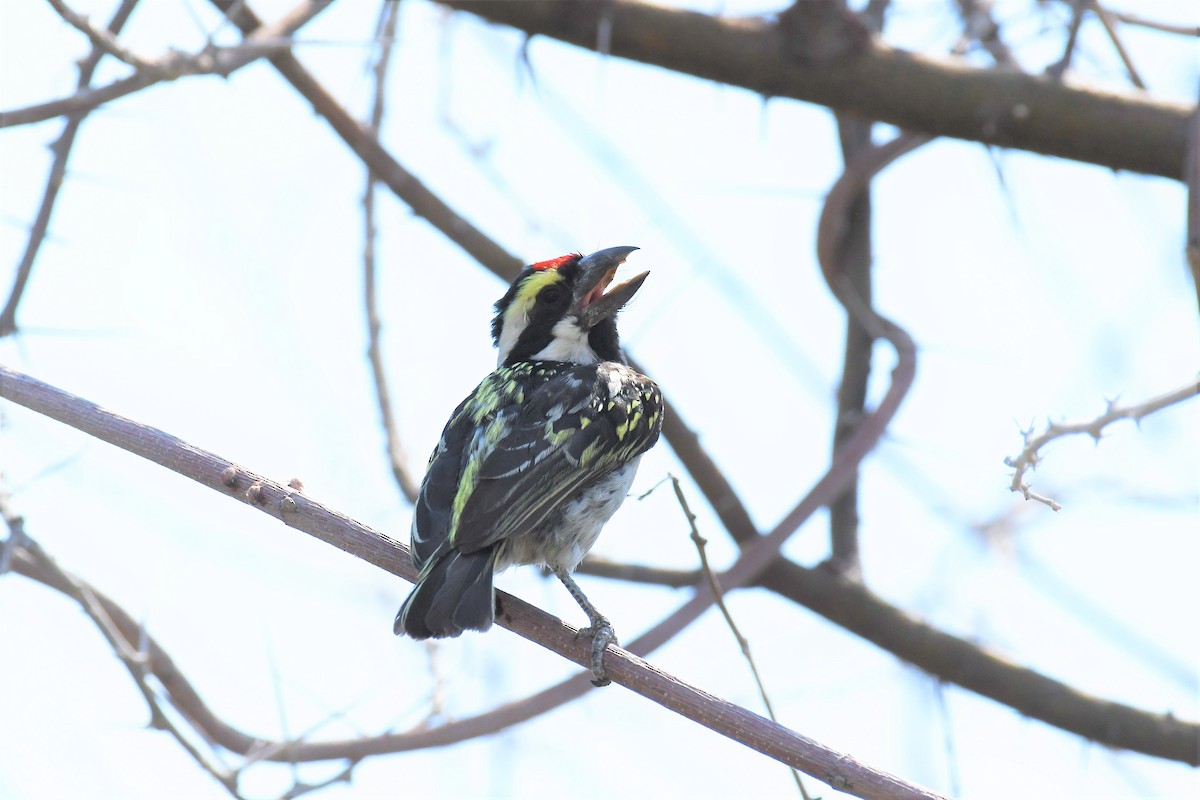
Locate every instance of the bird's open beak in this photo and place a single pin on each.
(596, 272)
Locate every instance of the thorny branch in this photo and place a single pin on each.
(1030, 455)
(848, 605)
(714, 585)
(406, 186)
(979, 26)
(1110, 27)
(1165, 27)
(1060, 67)
(298, 511)
(128, 645)
(385, 33)
(211, 60)
(854, 258)
(940, 97)
(505, 263)
(58, 172)
(1192, 181)
(105, 40)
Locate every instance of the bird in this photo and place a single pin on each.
(537, 459)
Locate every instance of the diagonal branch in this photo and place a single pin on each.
(104, 40)
(1110, 27)
(58, 173)
(211, 60)
(940, 97)
(488, 253)
(397, 458)
(302, 513)
(714, 584)
(1030, 455)
(853, 265)
(1164, 27)
(846, 603)
(423, 202)
(853, 607)
(1192, 181)
(141, 660)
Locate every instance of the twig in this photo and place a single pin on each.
(1191, 179)
(488, 253)
(942, 97)
(715, 585)
(131, 657)
(298, 511)
(16, 539)
(1060, 67)
(853, 265)
(1030, 455)
(403, 183)
(845, 603)
(224, 61)
(947, 725)
(637, 573)
(851, 606)
(1106, 19)
(979, 26)
(385, 32)
(845, 265)
(58, 172)
(1165, 27)
(105, 39)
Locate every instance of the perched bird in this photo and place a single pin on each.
(539, 456)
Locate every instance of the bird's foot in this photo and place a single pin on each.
(602, 634)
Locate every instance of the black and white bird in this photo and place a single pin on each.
(535, 461)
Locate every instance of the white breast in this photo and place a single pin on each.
(569, 537)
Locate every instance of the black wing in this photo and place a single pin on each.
(546, 433)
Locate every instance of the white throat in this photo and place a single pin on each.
(570, 343)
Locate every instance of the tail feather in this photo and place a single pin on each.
(455, 595)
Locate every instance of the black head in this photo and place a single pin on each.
(557, 310)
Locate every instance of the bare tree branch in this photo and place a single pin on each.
(1165, 27)
(211, 60)
(58, 172)
(854, 264)
(34, 563)
(950, 658)
(1110, 27)
(638, 573)
(302, 513)
(851, 606)
(1030, 455)
(684, 441)
(714, 584)
(104, 40)
(1192, 180)
(844, 602)
(403, 183)
(385, 33)
(1059, 68)
(979, 26)
(940, 97)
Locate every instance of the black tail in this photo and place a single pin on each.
(455, 595)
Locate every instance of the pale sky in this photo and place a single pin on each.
(204, 276)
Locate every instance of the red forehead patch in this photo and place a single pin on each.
(555, 263)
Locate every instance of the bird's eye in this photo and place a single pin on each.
(550, 295)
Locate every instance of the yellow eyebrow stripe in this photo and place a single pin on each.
(517, 314)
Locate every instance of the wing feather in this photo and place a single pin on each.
(529, 438)
(549, 455)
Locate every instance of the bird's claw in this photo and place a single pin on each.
(602, 634)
